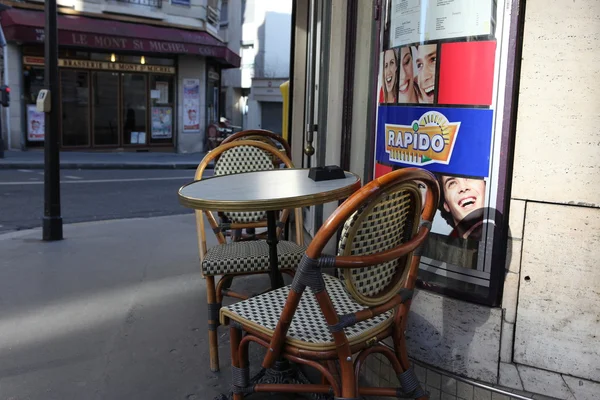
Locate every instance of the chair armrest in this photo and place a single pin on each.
(347, 320)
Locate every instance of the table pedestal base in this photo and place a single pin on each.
(283, 373)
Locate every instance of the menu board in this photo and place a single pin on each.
(413, 21)
(438, 83)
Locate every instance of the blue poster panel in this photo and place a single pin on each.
(444, 140)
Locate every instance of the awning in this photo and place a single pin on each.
(27, 26)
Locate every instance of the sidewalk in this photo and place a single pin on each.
(34, 159)
(117, 310)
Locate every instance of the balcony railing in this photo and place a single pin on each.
(148, 3)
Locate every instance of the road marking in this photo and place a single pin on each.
(165, 178)
(72, 177)
(25, 170)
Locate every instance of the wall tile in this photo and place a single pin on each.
(559, 296)
(583, 389)
(509, 296)
(556, 62)
(456, 336)
(447, 396)
(513, 255)
(464, 391)
(506, 344)
(543, 382)
(516, 218)
(448, 385)
(509, 376)
(481, 394)
(434, 379)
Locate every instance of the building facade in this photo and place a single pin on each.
(139, 75)
(516, 310)
(252, 96)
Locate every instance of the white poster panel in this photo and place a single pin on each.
(35, 124)
(191, 105)
(418, 21)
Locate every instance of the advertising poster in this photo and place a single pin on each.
(163, 89)
(35, 124)
(191, 105)
(162, 122)
(437, 80)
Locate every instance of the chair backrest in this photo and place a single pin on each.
(378, 220)
(240, 159)
(264, 136)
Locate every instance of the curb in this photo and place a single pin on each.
(25, 165)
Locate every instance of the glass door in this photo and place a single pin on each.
(135, 109)
(75, 87)
(105, 108)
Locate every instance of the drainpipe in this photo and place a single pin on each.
(3, 45)
(348, 99)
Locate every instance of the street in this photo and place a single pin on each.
(91, 195)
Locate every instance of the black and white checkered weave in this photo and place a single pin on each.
(382, 229)
(308, 328)
(252, 256)
(236, 161)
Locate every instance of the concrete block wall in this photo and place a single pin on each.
(551, 295)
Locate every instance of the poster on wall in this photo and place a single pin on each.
(35, 124)
(163, 90)
(417, 21)
(436, 91)
(162, 122)
(191, 105)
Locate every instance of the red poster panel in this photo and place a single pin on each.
(381, 170)
(467, 73)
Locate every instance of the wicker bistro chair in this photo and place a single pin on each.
(231, 259)
(383, 231)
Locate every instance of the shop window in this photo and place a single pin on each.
(162, 99)
(105, 108)
(75, 90)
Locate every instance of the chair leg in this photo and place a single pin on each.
(213, 323)
(408, 379)
(237, 359)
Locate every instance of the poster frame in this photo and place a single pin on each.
(495, 247)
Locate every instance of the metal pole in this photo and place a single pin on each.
(52, 225)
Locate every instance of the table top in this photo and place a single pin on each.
(265, 190)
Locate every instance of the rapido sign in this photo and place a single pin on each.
(430, 139)
(445, 140)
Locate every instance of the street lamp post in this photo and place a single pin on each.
(52, 222)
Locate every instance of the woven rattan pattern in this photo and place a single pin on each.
(248, 257)
(236, 161)
(383, 228)
(308, 329)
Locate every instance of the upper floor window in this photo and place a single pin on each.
(224, 12)
(149, 3)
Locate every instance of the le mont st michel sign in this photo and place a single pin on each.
(141, 45)
(103, 65)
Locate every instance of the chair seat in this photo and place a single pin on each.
(308, 330)
(249, 257)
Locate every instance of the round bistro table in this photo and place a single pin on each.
(269, 191)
